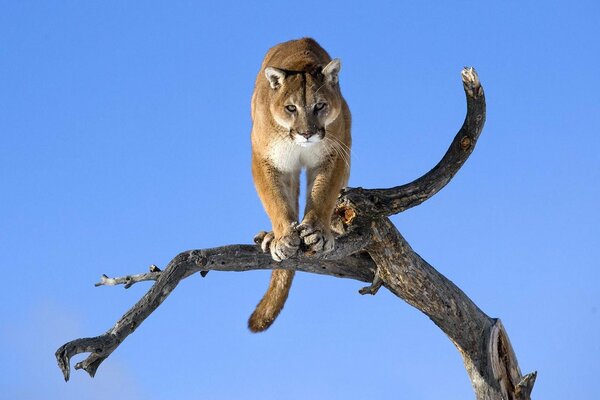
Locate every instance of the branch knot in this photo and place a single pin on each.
(465, 143)
(198, 257)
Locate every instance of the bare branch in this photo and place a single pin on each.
(384, 202)
(370, 249)
(356, 266)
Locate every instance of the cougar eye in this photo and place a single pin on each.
(320, 106)
(291, 108)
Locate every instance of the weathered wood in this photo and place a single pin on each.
(481, 340)
(227, 258)
(369, 249)
(505, 368)
(385, 202)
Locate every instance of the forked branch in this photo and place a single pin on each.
(369, 249)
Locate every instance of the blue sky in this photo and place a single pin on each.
(124, 133)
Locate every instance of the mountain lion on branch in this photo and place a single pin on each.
(299, 121)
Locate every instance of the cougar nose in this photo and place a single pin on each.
(306, 134)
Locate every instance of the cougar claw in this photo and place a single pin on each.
(315, 239)
(264, 239)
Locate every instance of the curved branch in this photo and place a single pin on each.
(341, 263)
(385, 202)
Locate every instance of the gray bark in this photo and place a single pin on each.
(369, 249)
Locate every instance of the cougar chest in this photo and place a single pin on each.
(287, 156)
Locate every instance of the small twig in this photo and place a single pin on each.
(130, 280)
(374, 287)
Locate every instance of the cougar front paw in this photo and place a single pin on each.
(280, 248)
(285, 246)
(315, 238)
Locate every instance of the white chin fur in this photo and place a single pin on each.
(303, 142)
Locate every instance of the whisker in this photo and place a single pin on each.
(341, 145)
(340, 151)
(329, 147)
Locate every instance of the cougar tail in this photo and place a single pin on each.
(272, 302)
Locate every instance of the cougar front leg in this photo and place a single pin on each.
(324, 184)
(278, 192)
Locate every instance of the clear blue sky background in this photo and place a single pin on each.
(124, 132)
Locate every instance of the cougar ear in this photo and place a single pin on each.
(275, 76)
(332, 70)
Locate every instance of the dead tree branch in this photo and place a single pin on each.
(368, 249)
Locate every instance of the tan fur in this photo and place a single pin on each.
(299, 121)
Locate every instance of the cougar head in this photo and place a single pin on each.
(303, 103)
